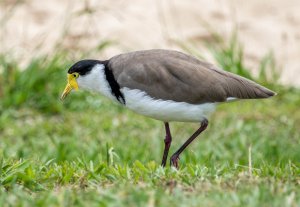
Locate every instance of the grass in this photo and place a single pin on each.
(90, 152)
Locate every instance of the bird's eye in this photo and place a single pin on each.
(75, 75)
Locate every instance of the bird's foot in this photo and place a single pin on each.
(174, 161)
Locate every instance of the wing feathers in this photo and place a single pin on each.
(242, 88)
(172, 75)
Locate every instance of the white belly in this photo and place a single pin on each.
(166, 110)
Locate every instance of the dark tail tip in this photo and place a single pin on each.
(269, 93)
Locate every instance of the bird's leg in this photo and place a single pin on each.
(167, 141)
(175, 157)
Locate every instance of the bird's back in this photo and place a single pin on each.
(172, 75)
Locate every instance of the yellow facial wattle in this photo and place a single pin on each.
(72, 84)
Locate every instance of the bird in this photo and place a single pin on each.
(165, 85)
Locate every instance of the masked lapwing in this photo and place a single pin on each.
(164, 85)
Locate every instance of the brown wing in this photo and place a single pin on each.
(172, 75)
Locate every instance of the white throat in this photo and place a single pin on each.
(96, 81)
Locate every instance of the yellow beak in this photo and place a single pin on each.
(72, 84)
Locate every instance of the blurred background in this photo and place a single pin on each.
(33, 27)
(249, 156)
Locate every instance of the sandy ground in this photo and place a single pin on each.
(33, 27)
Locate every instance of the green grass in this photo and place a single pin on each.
(90, 152)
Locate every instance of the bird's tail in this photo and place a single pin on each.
(243, 88)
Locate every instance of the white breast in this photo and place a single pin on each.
(166, 110)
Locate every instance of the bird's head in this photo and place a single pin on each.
(80, 75)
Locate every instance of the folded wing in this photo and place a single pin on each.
(172, 75)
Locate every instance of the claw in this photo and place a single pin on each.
(175, 161)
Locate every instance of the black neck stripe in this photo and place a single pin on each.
(115, 87)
